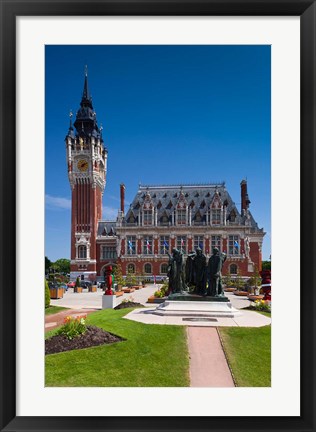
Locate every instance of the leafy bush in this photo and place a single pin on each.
(118, 276)
(262, 305)
(47, 295)
(130, 279)
(78, 282)
(266, 265)
(238, 282)
(130, 299)
(162, 292)
(73, 327)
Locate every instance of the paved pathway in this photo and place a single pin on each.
(55, 320)
(208, 365)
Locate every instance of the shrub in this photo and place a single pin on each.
(73, 327)
(266, 265)
(261, 305)
(238, 282)
(130, 279)
(227, 280)
(78, 282)
(118, 277)
(162, 292)
(47, 295)
(130, 299)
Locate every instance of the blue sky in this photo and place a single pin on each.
(170, 115)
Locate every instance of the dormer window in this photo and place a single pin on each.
(232, 216)
(216, 216)
(181, 216)
(148, 217)
(131, 219)
(198, 217)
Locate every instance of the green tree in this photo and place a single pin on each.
(266, 265)
(48, 263)
(118, 275)
(47, 295)
(62, 265)
(130, 279)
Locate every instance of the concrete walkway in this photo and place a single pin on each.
(208, 365)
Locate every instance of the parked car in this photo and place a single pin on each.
(71, 284)
(85, 284)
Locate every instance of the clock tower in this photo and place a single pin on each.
(87, 166)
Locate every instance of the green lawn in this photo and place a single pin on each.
(54, 309)
(151, 356)
(248, 351)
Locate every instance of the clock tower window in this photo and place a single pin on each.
(82, 252)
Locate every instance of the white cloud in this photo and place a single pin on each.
(109, 213)
(57, 202)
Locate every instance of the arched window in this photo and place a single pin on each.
(164, 268)
(147, 268)
(233, 269)
(131, 268)
(82, 252)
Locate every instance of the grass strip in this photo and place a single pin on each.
(54, 309)
(248, 351)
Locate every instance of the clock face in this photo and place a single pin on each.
(82, 165)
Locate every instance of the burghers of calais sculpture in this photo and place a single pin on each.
(176, 272)
(215, 265)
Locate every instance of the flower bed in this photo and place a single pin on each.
(93, 336)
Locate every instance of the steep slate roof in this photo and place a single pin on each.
(201, 195)
(106, 228)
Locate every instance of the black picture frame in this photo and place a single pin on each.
(9, 11)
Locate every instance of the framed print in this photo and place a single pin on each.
(42, 47)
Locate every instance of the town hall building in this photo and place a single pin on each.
(160, 217)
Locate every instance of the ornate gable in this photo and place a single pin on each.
(216, 202)
(148, 203)
(182, 202)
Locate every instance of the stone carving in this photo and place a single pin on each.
(247, 247)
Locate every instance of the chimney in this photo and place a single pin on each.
(244, 197)
(122, 194)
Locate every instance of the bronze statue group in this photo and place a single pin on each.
(196, 274)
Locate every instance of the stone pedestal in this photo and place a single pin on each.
(197, 309)
(108, 301)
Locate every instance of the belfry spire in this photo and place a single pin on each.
(86, 121)
(86, 97)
